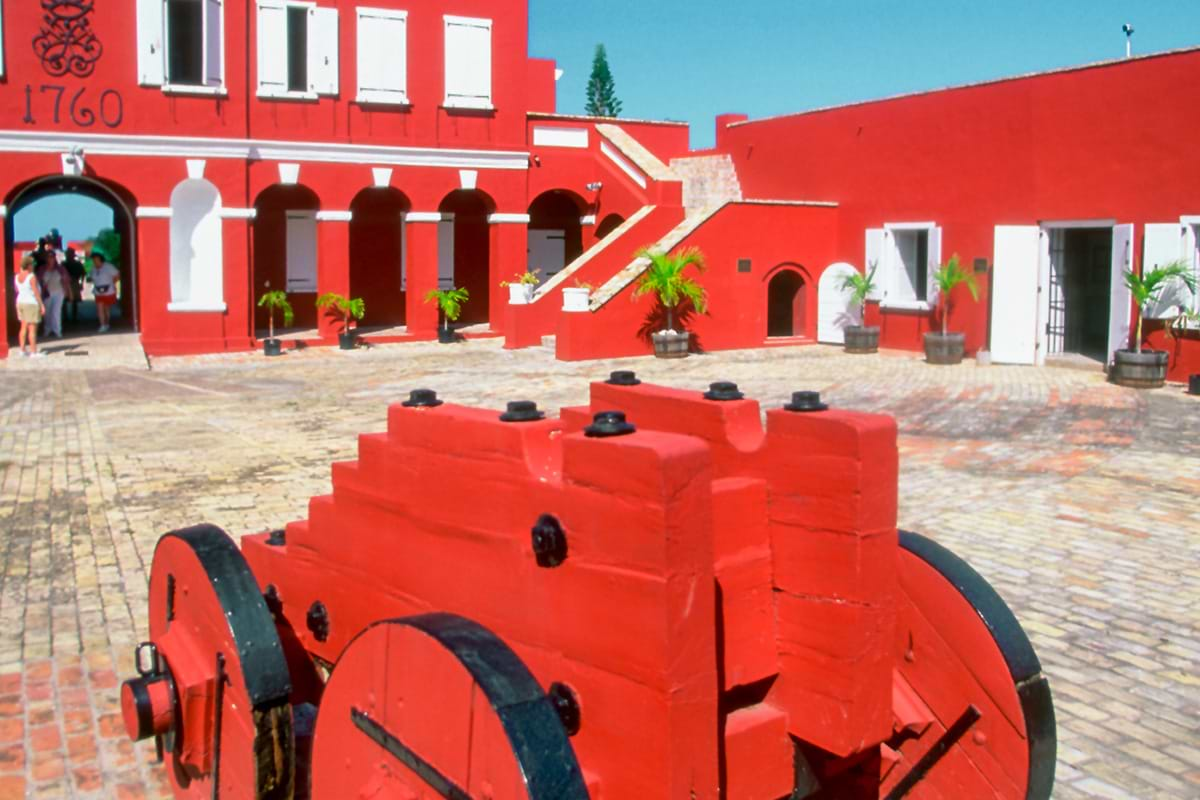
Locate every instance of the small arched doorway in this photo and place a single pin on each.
(285, 251)
(464, 251)
(118, 236)
(609, 224)
(555, 232)
(787, 299)
(377, 253)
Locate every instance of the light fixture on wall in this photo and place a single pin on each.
(1128, 28)
(73, 162)
(594, 186)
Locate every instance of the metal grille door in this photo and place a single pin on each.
(1056, 321)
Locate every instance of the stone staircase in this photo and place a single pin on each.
(708, 182)
(591, 253)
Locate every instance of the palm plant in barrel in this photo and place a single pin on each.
(946, 347)
(665, 279)
(1148, 369)
(347, 308)
(272, 302)
(450, 301)
(861, 338)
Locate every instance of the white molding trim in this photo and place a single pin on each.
(1184, 220)
(152, 212)
(908, 226)
(195, 308)
(106, 144)
(589, 219)
(238, 213)
(195, 168)
(3, 212)
(381, 177)
(334, 216)
(468, 178)
(498, 219)
(618, 159)
(289, 174)
(427, 216)
(905, 305)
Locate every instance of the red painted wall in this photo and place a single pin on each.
(773, 237)
(1090, 143)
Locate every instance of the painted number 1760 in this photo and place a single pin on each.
(109, 108)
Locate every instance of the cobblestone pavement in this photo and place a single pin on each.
(1075, 498)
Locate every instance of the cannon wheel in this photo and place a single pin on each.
(218, 643)
(974, 715)
(436, 706)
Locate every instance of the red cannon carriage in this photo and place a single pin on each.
(665, 601)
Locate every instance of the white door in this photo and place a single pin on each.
(301, 252)
(1122, 298)
(446, 252)
(1161, 245)
(547, 252)
(1015, 294)
(833, 305)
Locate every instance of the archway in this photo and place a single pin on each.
(787, 298)
(464, 251)
(118, 200)
(377, 253)
(609, 224)
(285, 251)
(555, 233)
(834, 311)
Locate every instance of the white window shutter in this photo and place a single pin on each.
(1163, 244)
(214, 39)
(874, 260)
(301, 251)
(151, 64)
(1192, 254)
(1, 39)
(468, 62)
(382, 56)
(935, 261)
(1121, 301)
(323, 50)
(272, 48)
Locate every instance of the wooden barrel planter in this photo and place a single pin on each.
(862, 339)
(671, 344)
(1144, 370)
(944, 348)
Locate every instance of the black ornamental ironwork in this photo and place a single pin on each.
(66, 42)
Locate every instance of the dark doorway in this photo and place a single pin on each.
(472, 251)
(608, 225)
(377, 253)
(555, 234)
(786, 297)
(285, 251)
(1087, 290)
(119, 238)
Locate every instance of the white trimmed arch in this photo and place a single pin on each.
(197, 256)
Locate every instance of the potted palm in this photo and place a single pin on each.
(520, 288)
(664, 279)
(1147, 369)
(347, 308)
(861, 338)
(450, 301)
(575, 298)
(272, 301)
(946, 347)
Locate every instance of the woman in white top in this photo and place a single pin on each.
(29, 307)
(104, 279)
(56, 283)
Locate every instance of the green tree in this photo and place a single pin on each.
(1149, 285)
(665, 280)
(949, 277)
(601, 91)
(108, 242)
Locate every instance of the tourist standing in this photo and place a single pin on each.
(104, 282)
(74, 268)
(29, 307)
(55, 284)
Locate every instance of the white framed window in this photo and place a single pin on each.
(468, 62)
(301, 255)
(297, 49)
(907, 254)
(181, 45)
(197, 260)
(382, 56)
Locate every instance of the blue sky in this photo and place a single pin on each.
(692, 60)
(75, 217)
